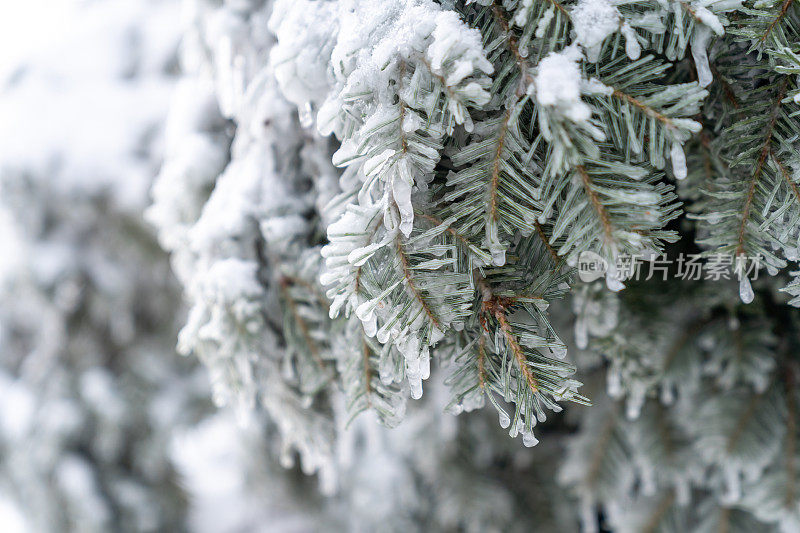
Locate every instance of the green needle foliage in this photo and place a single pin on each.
(452, 163)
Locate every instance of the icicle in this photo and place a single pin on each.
(416, 387)
(401, 191)
(305, 114)
(559, 352)
(581, 333)
(496, 247)
(529, 440)
(505, 421)
(632, 47)
(678, 161)
(588, 516)
(733, 484)
(614, 284)
(648, 479)
(700, 39)
(614, 382)
(455, 409)
(667, 394)
(285, 459)
(745, 290)
(328, 481)
(635, 402)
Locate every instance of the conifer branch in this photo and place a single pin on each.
(313, 350)
(365, 353)
(647, 110)
(601, 446)
(401, 253)
(496, 163)
(497, 307)
(652, 523)
(785, 173)
(762, 158)
(595, 201)
(742, 422)
(547, 245)
(513, 44)
(482, 362)
(778, 18)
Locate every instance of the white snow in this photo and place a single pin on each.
(558, 84)
(593, 21)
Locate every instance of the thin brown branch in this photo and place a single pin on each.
(598, 206)
(789, 181)
(365, 351)
(550, 249)
(403, 140)
(516, 349)
(742, 423)
(482, 362)
(313, 350)
(724, 520)
(401, 252)
(449, 229)
(498, 158)
(496, 306)
(600, 447)
(513, 46)
(689, 332)
(647, 110)
(781, 14)
(663, 506)
(726, 88)
(762, 158)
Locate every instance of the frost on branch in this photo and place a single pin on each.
(413, 183)
(402, 75)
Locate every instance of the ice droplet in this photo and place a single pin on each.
(304, 113)
(745, 290)
(455, 409)
(416, 388)
(678, 161)
(505, 421)
(529, 440)
(632, 46)
(614, 284)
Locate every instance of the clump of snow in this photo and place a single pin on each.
(593, 21)
(305, 31)
(558, 84)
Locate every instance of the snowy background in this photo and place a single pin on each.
(102, 425)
